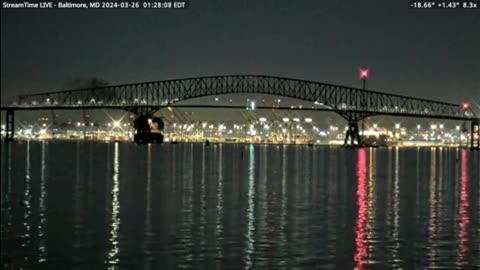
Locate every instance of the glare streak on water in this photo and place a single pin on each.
(433, 220)
(219, 209)
(396, 210)
(361, 249)
(464, 220)
(284, 211)
(28, 205)
(373, 238)
(251, 210)
(7, 211)
(78, 197)
(148, 233)
(113, 259)
(42, 246)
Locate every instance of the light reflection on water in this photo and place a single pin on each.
(113, 259)
(124, 206)
(251, 209)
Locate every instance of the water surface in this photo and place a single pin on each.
(86, 205)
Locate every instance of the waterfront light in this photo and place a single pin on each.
(397, 125)
(457, 128)
(419, 127)
(286, 119)
(296, 119)
(79, 124)
(433, 126)
(263, 119)
(308, 120)
(441, 126)
(216, 98)
(375, 126)
(117, 123)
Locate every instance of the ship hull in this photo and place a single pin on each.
(144, 138)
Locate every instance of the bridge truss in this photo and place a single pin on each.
(353, 104)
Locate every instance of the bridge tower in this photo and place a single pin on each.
(10, 125)
(475, 135)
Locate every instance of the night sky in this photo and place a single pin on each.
(424, 53)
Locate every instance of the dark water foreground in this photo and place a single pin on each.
(122, 206)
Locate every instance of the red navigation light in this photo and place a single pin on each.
(364, 73)
(465, 106)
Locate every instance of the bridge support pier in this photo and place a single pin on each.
(147, 129)
(475, 135)
(352, 135)
(10, 125)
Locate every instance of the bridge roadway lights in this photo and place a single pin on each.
(10, 127)
(475, 130)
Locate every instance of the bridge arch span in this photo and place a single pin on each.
(351, 103)
(342, 99)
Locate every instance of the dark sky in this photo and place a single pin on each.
(431, 54)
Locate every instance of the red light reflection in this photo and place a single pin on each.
(361, 249)
(462, 247)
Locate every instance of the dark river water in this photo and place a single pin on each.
(68, 205)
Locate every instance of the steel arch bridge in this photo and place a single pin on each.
(351, 103)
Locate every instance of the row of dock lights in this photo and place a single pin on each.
(296, 119)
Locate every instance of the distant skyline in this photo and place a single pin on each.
(421, 53)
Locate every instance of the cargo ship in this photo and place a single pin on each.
(148, 130)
